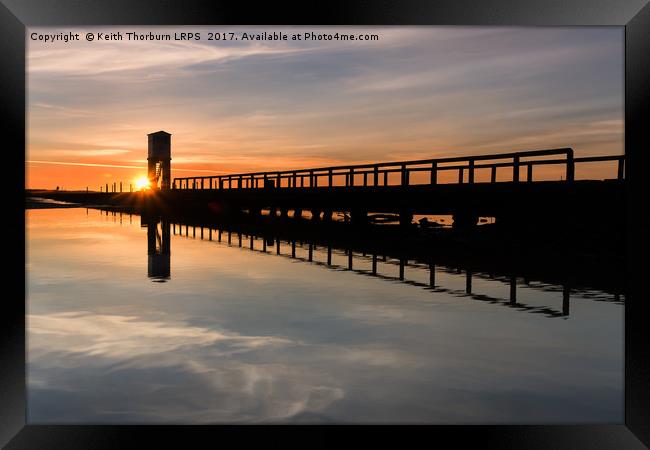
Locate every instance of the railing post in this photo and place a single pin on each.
(621, 168)
(434, 173)
(201, 183)
(470, 175)
(330, 177)
(280, 180)
(529, 175)
(311, 178)
(405, 176)
(376, 175)
(351, 177)
(493, 175)
(385, 177)
(240, 182)
(515, 169)
(460, 175)
(365, 179)
(570, 165)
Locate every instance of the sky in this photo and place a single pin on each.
(234, 106)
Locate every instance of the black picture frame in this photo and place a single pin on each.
(634, 15)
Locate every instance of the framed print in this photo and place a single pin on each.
(420, 217)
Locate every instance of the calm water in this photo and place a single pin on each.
(234, 335)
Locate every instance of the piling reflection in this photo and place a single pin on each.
(321, 254)
(158, 248)
(374, 259)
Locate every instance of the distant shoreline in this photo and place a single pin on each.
(45, 203)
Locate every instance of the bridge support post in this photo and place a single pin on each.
(405, 218)
(464, 220)
(359, 217)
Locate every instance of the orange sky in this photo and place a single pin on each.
(419, 92)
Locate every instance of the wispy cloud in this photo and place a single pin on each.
(118, 336)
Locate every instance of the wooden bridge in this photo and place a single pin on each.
(382, 174)
(498, 185)
(512, 188)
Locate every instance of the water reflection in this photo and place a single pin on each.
(158, 248)
(258, 325)
(322, 255)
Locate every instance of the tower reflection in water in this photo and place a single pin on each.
(321, 253)
(158, 248)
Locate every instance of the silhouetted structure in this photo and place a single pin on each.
(159, 160)
(480, 186)
(499, 186)
(158, 248)
(385, 260)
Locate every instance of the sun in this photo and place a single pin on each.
(142, 183)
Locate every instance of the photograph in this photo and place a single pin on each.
(404, 220)
(325, 225)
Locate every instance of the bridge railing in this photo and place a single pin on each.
(399, 173)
